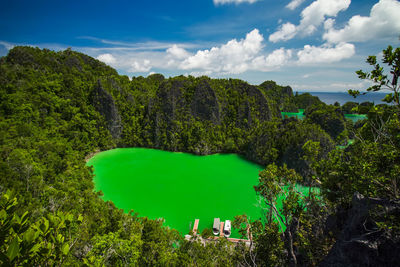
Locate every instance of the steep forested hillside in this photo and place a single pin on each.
(57, 108)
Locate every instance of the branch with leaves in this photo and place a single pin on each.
(382, 80)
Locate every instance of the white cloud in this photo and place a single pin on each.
(272, 61)
(236, 57)
(328, 24)
(7, 45)
(140, 67)
(286, 32)
(233, 57)
(146, 46)
(325, 53)
(178, 52)
(201, 73)
(294, 4)
(107, 58)
(142, 57)
(314, 15)
(383, 22)
(311, 17)
(221, 2)
(331, 87)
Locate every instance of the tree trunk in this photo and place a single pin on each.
(290, 247)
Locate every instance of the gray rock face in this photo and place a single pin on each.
(360, 241)
(276, 90)
(264, 112)
(105, 105)
(171, 99)
(287, 90)
(205, 105)
(185, 103)
(253, 106)
(201, 101)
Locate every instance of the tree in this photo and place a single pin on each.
(381, 80)
(371, 167)
(112, 250)
(285, 202)
(329, 117)
(246, 229)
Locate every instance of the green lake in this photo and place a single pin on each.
(178, 187)
(300, 115)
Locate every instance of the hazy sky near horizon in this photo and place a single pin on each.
(311, 45)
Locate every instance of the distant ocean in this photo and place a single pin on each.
(343, 97)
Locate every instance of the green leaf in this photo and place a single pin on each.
(354, 93)
(24, 218)
(13, 249)
(35, 248)
(65, 249)
(361, 74)
(45, 226)
(60, 238)
(388, 98)
(69, 217)
(29, 235)
(3, 214)
(371, 60)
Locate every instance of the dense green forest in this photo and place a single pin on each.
(58, 108)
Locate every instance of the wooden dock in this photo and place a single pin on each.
(221, 234)
(196, 226)
(221, 230)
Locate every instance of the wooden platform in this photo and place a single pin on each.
(196, 226)
(221, 230)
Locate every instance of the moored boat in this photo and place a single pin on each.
(216, 226)
(227, 228)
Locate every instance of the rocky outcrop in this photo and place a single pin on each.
(251, 106)
(170, 98)
(105, 105)
(194, 106)
(264, 111)
(361, 242)
(200, 101)
(287, 90)
(204, 105)
(282, 95)
(271, 88)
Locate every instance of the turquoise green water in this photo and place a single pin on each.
(349, 142)
(355, 117)
(300, 115)
(178, 187)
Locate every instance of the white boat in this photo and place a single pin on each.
(216, 226)
(227, 228)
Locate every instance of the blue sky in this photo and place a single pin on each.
(311, 45)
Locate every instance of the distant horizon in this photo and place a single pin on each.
(342, 97)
